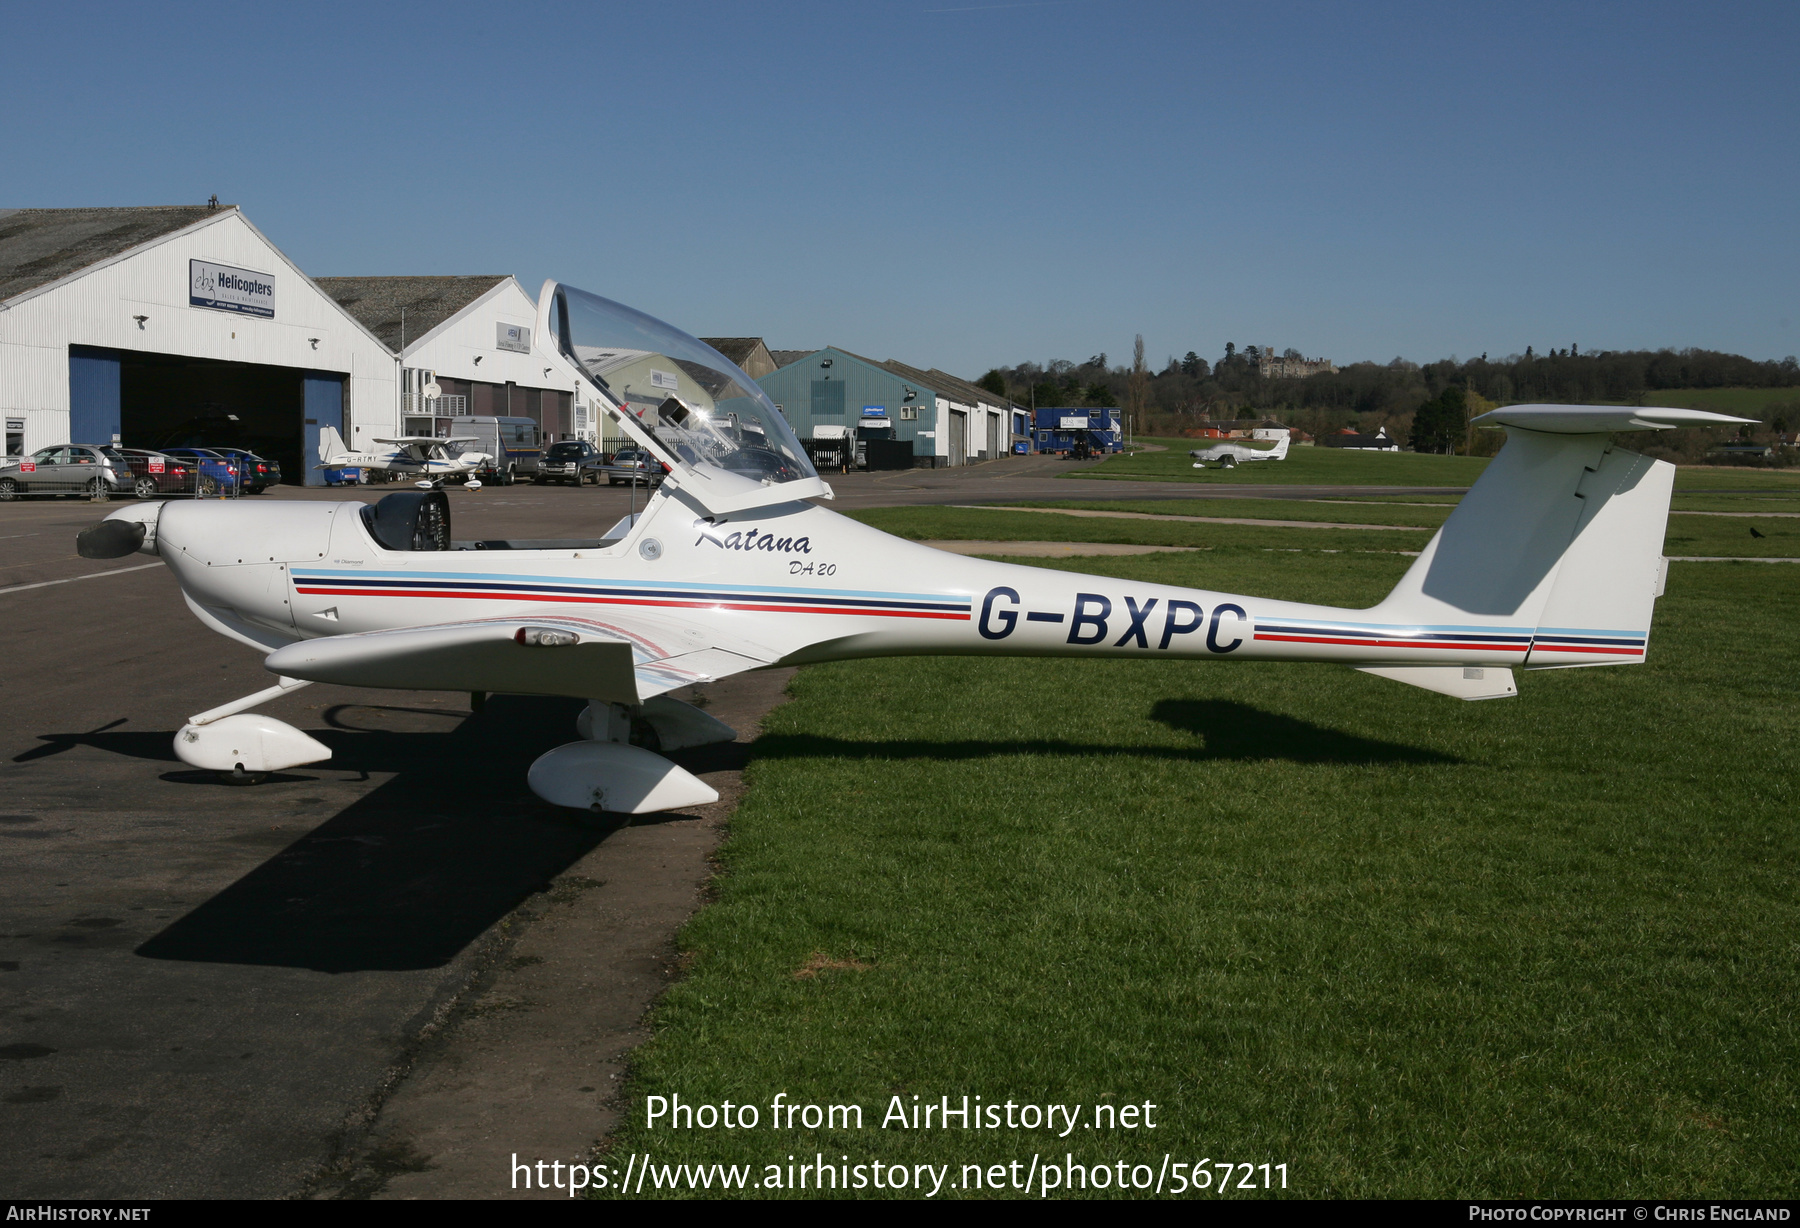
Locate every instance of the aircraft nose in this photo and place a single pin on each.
(131, 528)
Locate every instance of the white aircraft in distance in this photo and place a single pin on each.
(431, 458)
(1230, 454)
(1553, 559)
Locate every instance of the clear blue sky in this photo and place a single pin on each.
(960, 183)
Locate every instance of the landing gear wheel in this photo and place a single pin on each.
(238, 776)
(644, 734)
(145, 488)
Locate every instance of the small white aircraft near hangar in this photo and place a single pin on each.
(1553, 560)
(431, 458)
(1229, 454)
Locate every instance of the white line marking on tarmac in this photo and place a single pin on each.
(117, 571)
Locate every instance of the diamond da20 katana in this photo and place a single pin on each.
(1553, 560)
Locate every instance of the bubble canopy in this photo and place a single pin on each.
(695, 404)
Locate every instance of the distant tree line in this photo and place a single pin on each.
(1427, 404)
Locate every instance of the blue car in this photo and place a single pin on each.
(217, 473)
(258, 472)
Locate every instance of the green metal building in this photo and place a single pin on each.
(947, 420)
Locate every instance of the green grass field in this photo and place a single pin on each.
(1737, 490)
(1700, 536)
(959, 524)
(1408, 946)
(1330, 511)
(1303, 466)
(1389, 497)
(1741, 402)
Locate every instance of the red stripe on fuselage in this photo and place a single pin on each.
(679, 605)
(1618, 652)
(1310, 639)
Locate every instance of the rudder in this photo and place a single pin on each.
(1560, 539)
(330, 444)
(1598, 609)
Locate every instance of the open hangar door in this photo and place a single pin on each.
(166, 401)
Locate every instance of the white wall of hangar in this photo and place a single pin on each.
(212, 297)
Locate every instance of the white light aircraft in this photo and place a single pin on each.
(1553, 560)
(431, 458)
(1238, 453)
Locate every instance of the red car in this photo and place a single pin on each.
(154, 474)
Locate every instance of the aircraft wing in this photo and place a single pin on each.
(413, 441)
(616, 661)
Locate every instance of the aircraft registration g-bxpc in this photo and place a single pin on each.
(1553, 559)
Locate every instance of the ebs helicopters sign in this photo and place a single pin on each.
(223, 288)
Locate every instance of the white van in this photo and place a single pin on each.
(514, 443)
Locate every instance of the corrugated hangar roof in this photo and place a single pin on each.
(427, 301)
(39, 246)
(735, 348)
(969, 387)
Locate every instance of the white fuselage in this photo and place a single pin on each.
(1243, 453)
(795, 580)
(436, 464)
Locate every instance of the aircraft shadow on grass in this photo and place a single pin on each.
(423, 864)
(1227, 731)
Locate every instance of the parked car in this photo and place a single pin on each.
(93, 470)
(259, 472)
(573, 461)
(634, 465)
(218, 474)
(154, 473)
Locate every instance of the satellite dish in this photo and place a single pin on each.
(432, 391)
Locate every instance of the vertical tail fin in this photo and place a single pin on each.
(1560, 539)
(330, 444)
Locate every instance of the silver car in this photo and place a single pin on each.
(96, 471)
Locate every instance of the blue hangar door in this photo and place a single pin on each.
(324, 407)
(93, 395)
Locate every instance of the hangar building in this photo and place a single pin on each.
(948, 421)
(175, 324)
(471, 337)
